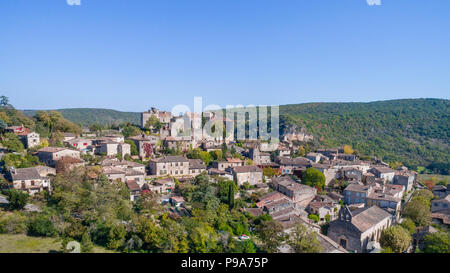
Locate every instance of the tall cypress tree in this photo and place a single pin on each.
(231, 195)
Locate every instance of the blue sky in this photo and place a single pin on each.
(133, 54)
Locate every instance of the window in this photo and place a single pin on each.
(343, 243)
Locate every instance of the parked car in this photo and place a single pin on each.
(244, 237)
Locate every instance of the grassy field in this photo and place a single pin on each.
(25, 244)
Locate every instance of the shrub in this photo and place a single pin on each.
(41, 226)
(17, 199)
(314, 217)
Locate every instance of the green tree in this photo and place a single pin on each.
(271, 235)
(314, 217)
(17, 199)
(133, 147)
(130, 130)
(3, 124)
(41, 225)
(304, 240)
(4, 101)
(12, 142)
(409, 225)
(231, 190)
(397, 238)
(86, 243)
(438, 242)
(314, 178)
(418, 212)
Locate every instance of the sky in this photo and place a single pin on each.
(131, 55)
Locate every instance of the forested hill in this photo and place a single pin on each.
(412, 131)
(89, 116)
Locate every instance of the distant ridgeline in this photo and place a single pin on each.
(412, 131)
(89, 116)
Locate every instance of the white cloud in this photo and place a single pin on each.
(73, 2)
(374, 2)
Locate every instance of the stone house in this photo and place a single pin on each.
(112, 148)
(258, 157)
(228, 163)
(356, 193)
(162, 116)
(323, 206)
(328, 171)
(441, 204)
(314, 157)
(162, 185)
(440, 191)
(385, 201)
(135, 190)
(300, 194)
(351, 174)
(386, 173)
(68, 136)
(405, 178)
(251, 174)
(169, 165)
(353, 230)
(269, 198)
(80, 144)
(32, 180)
(196, 167)
(145, 144)
(49, 155)
(288, 165)
(30, 140)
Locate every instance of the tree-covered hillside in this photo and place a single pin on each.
(89, 116)
(413, 131)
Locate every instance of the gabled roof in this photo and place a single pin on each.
(132, 185)
(164, 181)
(26, 174)
(52, 149)
(369, 217)
(196, 164)
(170, 158)
(356, 187)
(246, 169)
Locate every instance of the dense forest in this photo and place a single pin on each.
(412, 131)
(90, 116)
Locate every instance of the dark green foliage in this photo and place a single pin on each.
(438, 242)
(17, 199)
(90, 116)
(130, 130)
(231, 190)
(40, 225)
(12, 142)
(412, 131)
(409, 225)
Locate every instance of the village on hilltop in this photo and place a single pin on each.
(346, 201)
